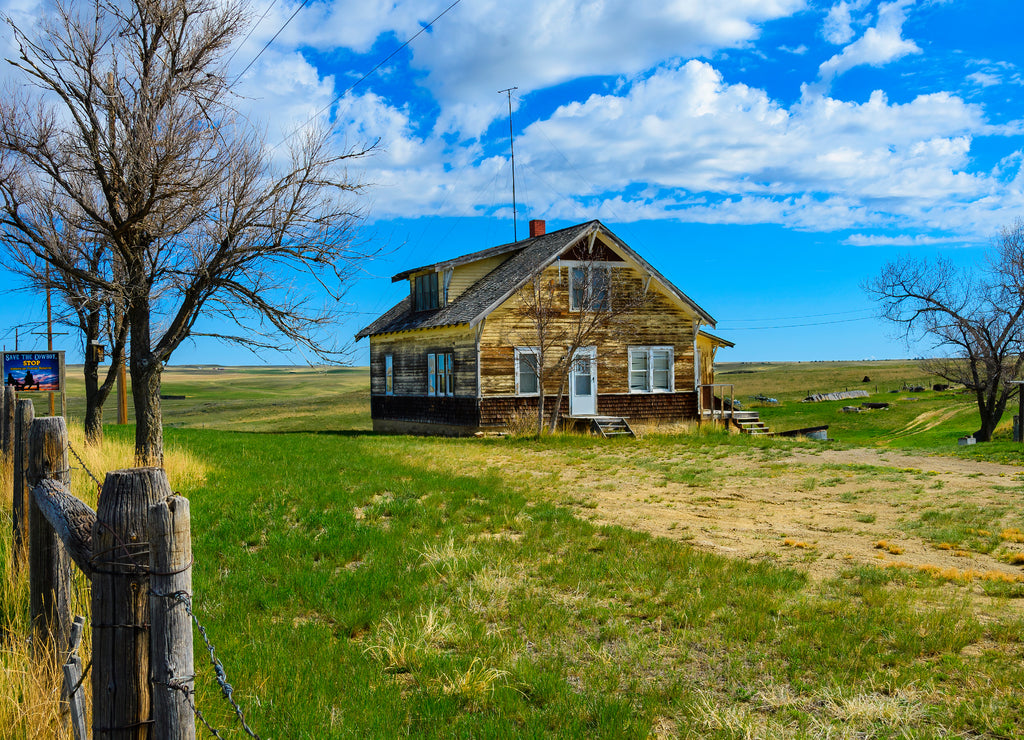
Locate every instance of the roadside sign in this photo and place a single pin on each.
(34, 371)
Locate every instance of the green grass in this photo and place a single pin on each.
(367, 586)
(928, 422)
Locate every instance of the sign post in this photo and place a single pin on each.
(36, 372)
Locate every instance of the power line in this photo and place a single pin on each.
(380, 64)
(248, 35)
(791, 326)
(806, 316)
(272, 40)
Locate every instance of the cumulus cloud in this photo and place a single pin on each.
(532, 44)
(879, 45)
(838, 26)
(685, 144)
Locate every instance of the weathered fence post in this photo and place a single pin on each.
(173, 665)
(24, 415)
(49, 563)
(120, 603)
(7, 435)
(73, 693)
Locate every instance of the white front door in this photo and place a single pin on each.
(583, 383)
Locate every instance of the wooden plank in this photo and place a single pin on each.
(49, 564)
(173, 664)
(24, 415)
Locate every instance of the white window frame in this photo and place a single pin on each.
(648, 353)
(588, 282)
(389, 375)
(440, 378)
(535, 351)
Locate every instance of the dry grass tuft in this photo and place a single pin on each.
(889, 547)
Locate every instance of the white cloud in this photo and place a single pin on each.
(838, 27)
(878, 46)
(907, 240)
(685, 144)
(531, 44)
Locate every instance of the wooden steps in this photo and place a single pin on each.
(749, 422)
(611, 426)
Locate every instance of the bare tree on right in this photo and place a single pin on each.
(974, 317)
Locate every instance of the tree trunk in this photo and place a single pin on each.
(540, 402)
(93, 401)
(146, 370)
(553, 422)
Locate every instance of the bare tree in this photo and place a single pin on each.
(975, 317)
(557, 319)
(126, 126)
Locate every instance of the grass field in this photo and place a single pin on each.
(365, 586)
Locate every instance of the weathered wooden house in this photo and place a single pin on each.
(458, 353)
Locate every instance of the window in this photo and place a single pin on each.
(426, 291)
(440, 374)
(526, 371)
(589, 288)
(650, 369)
(389, 375)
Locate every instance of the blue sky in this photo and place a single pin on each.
(768, 156)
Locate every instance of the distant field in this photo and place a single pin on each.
(684, 584)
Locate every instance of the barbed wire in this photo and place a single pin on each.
(99, 486)
(226, 688)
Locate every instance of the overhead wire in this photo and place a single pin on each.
(272, 40)
(248, 35)
(377, 66)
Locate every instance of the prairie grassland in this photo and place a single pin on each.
(365, 586)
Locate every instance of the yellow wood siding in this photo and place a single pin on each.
(658, 322)
(707, 359)
(465, 275)
(410, 350)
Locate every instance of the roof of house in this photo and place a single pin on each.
(716, 340)
(528, 257)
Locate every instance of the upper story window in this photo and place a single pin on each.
(590, 288)
(389, 375)
(425, 291)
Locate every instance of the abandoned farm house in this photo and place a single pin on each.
(470, 345)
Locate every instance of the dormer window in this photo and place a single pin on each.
(425, 291)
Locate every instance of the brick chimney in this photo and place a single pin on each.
(537, 227)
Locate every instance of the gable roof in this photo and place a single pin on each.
(527, 258)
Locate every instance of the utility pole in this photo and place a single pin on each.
(49, 329)
(512, 150)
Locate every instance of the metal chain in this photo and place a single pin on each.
(99, 486)
(222, 678)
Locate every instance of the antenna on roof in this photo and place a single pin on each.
(512, 149)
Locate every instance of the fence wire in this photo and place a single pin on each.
(227, 690)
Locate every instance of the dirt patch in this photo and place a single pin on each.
(819, 512)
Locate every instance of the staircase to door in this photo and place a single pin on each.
(611, 426)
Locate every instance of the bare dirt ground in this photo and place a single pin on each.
(818, 512)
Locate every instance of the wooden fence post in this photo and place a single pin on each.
(173, 664)
(24, 415)
(73, 693)
(49, 563)
(120, 603)
(7, 436)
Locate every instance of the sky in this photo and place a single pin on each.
(768, 156)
